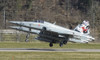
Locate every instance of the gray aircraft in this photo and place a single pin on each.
(53, 33)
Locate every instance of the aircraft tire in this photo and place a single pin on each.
(65, 42)
(87, 43)
(61, 44)
(26, 40)
(51, 44)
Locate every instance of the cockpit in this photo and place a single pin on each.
(39, 21)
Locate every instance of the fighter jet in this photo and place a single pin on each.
(52, 33)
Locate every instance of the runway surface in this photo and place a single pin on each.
(46, 50)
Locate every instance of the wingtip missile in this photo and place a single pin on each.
(12, 21)
(25, 29)
(15, 22)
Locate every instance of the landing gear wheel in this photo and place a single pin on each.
(87, 43)
(26, 40)
(51, 44)
(65, 42)
(61, 44)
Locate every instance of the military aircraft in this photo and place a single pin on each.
(52, 33)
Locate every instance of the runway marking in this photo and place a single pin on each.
(46, 50)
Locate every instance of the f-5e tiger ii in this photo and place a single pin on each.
(52, 33)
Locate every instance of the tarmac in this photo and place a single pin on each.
(46, 50)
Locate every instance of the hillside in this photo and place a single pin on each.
(64, 12)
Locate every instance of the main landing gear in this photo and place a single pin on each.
(61, 44)
(51, 44)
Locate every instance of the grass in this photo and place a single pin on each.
(49, 55)
(46, 45)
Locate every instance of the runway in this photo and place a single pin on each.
(46, 50)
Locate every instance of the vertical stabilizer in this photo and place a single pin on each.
(83, 28)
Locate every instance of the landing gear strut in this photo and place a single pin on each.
(65, 42)
(27, 37)
(61, 44)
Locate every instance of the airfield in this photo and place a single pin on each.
(16, 49)
(42, 51)
(46, 50)
(44, 47)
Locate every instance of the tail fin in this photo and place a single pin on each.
(83, 28)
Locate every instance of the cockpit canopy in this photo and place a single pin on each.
(39, 21)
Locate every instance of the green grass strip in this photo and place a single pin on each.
(49, 56)
(46, 45)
